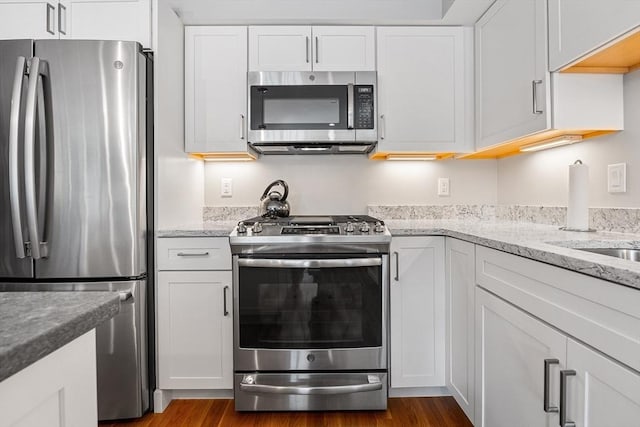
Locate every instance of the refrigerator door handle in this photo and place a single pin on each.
(38, 248)
(14, 177)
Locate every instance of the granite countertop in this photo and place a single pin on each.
(35, 324)
(545, 243)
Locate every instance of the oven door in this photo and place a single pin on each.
(309, 313)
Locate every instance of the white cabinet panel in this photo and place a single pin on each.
(603, 393)
(58, 390)
(460, 306)
(578, 27)
(128, 20)
(424, 89)
(195, 333)
(28, 20)
(202, 253)
(215, 89)
(280, 48)
(417, 312)
(511, 347)
(345, 48)
(512, 81)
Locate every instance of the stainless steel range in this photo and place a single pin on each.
(310, 313)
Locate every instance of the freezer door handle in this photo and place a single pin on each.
(14, 176)
(34, 221)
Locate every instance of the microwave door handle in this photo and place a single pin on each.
(350, 106)
(14, 177)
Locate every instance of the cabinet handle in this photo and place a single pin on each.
(397, 255)
(61, 8)
(224, 297)
(382, 126)
(534, 90)
(563, 398)
(193, 254)
(307, 49)
(241, 126)
(548, 408)
(316, 49)
(50, 9)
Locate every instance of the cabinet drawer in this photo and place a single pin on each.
(194, 253)
(602, 314)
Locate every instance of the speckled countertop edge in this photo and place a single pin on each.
(539, 242)
(35, 324)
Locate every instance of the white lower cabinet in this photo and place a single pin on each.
(511, 349)
(417, 312)
(195, 314)
(460, 302)
(195, 330)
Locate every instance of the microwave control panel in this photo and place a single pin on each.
(364, 107)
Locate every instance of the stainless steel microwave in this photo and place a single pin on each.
(312, 112)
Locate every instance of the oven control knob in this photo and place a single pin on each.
(379, 228)
(364, 227)
(257, 227)
(242, 228)
(349, 228)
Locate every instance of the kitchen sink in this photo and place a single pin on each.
(624, 253)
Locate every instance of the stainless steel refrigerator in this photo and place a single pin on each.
(75, 144)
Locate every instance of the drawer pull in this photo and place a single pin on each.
(193, 254)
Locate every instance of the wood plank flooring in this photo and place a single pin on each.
(415, 411)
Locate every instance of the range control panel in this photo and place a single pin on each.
(364, 107)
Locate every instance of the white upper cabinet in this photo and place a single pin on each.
(215, 89)
(128, 20)
(425, 95)
(304, 48)
(512, 81)
(578, 27)
(25, 20)
(417, 312)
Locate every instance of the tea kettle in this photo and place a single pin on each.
(274, 203)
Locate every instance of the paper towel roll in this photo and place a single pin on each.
(578, 207)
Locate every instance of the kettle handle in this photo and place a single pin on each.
(273, 184)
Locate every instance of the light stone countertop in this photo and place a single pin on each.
(539, 242)
(35, 324)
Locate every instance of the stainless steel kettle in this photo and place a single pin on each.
(274, 203)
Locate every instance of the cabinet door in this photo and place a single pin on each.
(424, 91)
(577, 27)
(28, 20)
(215, 89)
(511, 347)
(603, 393)
(128, 20)
(460, 304)
(195, 330)
(280, 48)
(417, 312)
(345, 48)
(512, 81)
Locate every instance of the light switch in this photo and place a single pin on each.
(617, 178)
(226, 187)
(443, 186)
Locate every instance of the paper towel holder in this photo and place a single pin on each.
(589, 230)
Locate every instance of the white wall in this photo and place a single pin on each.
(542, 178)
(347, 184)
(180, 180)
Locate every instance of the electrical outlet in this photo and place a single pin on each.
(226, 187)
(443, 186)
(617, 178)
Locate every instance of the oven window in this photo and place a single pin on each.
(301, 107)
(302, 308)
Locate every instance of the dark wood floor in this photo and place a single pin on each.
(415, 411)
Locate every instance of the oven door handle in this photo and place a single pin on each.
(309, 263)
(248, 384)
